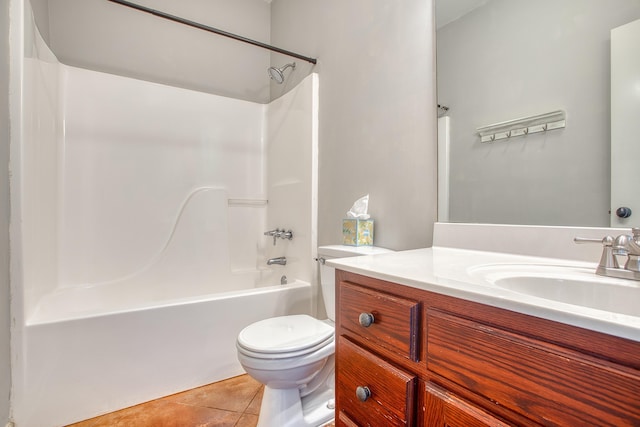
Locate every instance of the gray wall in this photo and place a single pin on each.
(377, 116)
(515, 58)
(5, 356)
(375, 62)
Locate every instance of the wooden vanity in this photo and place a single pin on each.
(411, 357)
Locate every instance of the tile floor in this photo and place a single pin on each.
(230, 403)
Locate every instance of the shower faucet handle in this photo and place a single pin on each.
(272, 233)
(279, 233)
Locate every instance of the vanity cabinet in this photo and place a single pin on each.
(410, 357)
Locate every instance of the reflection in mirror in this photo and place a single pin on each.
(499, 60)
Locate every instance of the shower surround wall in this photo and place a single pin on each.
(139, 253)
(160, 144)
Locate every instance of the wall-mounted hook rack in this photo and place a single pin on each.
(523, 126)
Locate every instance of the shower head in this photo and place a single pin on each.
(277, 74)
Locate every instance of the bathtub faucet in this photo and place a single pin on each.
(279, 260)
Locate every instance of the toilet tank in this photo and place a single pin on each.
(328, 274)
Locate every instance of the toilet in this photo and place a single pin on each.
(293, 356)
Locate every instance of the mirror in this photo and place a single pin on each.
(499, 60)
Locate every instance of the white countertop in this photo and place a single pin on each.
(454, 272)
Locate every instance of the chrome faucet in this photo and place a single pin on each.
(279, 233)
(623, 245)
(279, 260)
(629, 245)
(286, 234)
(273, 233)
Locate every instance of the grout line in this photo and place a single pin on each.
(252, 399)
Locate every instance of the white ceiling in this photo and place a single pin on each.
(449, 10)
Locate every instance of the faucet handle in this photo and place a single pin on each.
(277, 233)
(604, 240)
(274, 233)
(608, 259)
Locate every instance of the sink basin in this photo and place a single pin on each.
(565, 284)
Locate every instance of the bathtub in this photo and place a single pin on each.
(95, 350)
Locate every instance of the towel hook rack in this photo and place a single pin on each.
(523, 126)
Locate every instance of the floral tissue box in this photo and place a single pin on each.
(357, 232)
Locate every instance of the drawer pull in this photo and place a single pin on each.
(366, 319)
(363, 393)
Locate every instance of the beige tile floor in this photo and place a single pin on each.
(230, 403)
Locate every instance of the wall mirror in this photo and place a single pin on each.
(499, 60)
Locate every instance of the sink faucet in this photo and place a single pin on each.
(279, 260)
(629, 245)
(623, 245)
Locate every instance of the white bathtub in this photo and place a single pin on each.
(92, 351)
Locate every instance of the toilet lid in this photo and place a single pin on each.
(284, 334)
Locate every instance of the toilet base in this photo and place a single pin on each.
(285, 408)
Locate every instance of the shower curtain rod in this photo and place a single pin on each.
(212, 30)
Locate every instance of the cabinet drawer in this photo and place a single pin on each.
(391, 390)
(394, 319)
(545, 383)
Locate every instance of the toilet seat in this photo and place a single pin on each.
(284, 337)
(298, 353)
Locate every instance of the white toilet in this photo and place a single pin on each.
(293, 356)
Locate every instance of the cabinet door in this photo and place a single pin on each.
(545, 383)
(443, 409)
(370, 391)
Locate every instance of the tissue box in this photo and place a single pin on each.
(357, 232)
